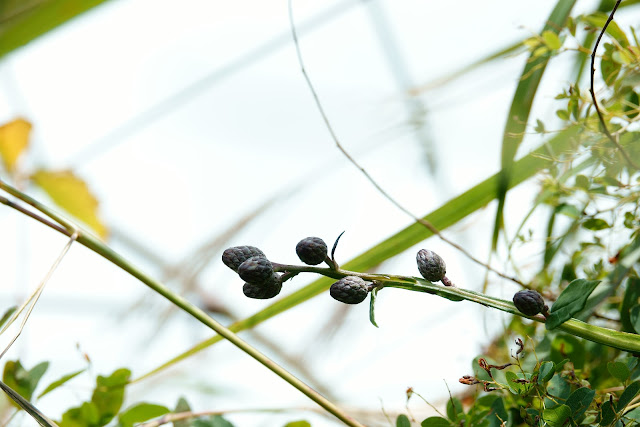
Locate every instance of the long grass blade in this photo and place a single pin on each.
(521, 108)
(21, 21)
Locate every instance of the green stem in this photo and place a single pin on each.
(106, 252)
(620, 340)
(338, 273)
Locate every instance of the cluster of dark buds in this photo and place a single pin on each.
(251, 264)
(264, 278)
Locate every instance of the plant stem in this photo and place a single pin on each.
(610, 337)
(337, 273)
(620, 340)
(106, 252)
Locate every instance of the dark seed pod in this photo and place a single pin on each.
(257, 270)
(431, 265)
(350, 290)
(235, 256)
(528, 302)
(312, 250)
(264, 291)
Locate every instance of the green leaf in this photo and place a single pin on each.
(619, 370)
(608, 414)
(583, 182)
(634, 318)
(73, 195)
(516, 387)
(7, 314)
(570, 301)
(546, 372)
(631, 105)
(595, 224)
(54, 385)
(435, 422)
(571, 26)
(560, 365)
(552, 40)
(630, 300)
(303, 423)
(481, 408)
(608, 67)
(631, 362)
(564, 345)
(22, 381)
(403, 421)
(599, 19)
(86, 415)
(498, 414)
(372, 303)
(182, 406)
(622, 57)
(560, 389)
(628, 395)
(569, 211)
(579, 401)
(443, 217)
(563, 115)
(454, 409)
(109, 394)
(518, 116)
(140, 412)
(21, 24)
(556, 417)
(21, 402)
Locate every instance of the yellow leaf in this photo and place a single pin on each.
(14, 138)
(71, 194)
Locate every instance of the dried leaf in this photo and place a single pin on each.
(14, 138)
(71, 194)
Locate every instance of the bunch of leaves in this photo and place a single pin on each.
(105, 404)
(562, 382)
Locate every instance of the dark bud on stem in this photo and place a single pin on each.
(235, 256)
(264, 291)
(528, 302)
(256, 270)
(350, 290)
(312, 250)
(431, 265)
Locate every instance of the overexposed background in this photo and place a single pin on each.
(184, 117)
